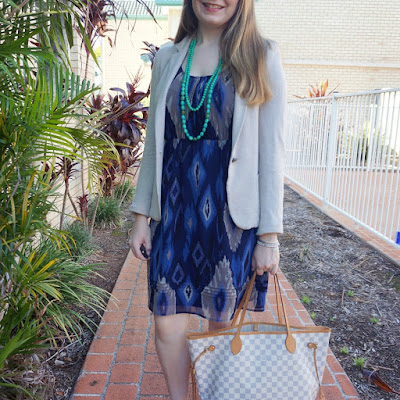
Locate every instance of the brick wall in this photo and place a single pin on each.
(354, 43)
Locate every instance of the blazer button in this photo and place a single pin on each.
(234, 159)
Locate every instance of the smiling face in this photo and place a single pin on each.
(214, 14)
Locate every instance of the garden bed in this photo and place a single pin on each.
(65, 364)
(348, 286)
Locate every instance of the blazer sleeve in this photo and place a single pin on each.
(144, 189)
(272, 116)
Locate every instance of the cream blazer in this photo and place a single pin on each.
(256, 168)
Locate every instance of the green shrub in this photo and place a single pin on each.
(109, 212)
(126, 189)
(79, 240)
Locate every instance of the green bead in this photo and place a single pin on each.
(208, 91)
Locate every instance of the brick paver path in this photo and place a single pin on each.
(122, 363)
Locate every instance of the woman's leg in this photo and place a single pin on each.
(173, 353)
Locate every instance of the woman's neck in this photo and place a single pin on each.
(208, 36)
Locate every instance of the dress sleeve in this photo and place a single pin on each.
(272, 118)
(144, 189)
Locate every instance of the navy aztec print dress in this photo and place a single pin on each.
(200, 261)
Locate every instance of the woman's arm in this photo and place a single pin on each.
(271, 167)
(140, 234)
(144, 188)
(272, 147)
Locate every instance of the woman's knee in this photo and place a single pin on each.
(168, 327)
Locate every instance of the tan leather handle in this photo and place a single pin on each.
(236, 343)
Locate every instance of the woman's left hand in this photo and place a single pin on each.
(265, 259)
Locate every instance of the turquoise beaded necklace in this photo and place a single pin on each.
(185, 95)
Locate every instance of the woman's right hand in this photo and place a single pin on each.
(140, 234)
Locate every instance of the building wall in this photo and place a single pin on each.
(353, 44)
(123, 61)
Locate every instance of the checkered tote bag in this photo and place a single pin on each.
(259, 361)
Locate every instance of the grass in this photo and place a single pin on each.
(374, 320)
(344, 350)
(306, 300)
(359, 362)
(350, 293)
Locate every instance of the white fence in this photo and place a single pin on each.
(345, 150)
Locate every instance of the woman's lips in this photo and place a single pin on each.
(212, 7)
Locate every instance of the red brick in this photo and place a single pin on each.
(127, 276)
(291, 294)
(332, 393)
(346, 385)
(141, 290)
(260, 316)
(97, 362)
(139, 311)
(305, 316)
(140, 300)
(295, 321)
(155, 398)
(194, 324)
(78, 397)
(290, 311)
(327, 378)
(151, 346)
(153, 384)
(130, 354)
(130, 270)
(285, 284)
(90, 384)
(121, 392)
(152, 364)
(334, 364)
(298, 305)
(124, 284)
(134, 337)
(109, 330)
(125, 373)
(122, 294)
(114, 316)
(117, 305)
(137, 323)
(103, 345)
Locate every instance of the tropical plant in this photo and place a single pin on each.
(124, 122)
(320, 90)
(42, 121)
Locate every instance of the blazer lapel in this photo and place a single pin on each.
(239, 113)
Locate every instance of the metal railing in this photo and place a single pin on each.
(345, 150)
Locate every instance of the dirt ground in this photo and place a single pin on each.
(351, 287)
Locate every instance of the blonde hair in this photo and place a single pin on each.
(242, 48)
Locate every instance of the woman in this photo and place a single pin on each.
(211, 177)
